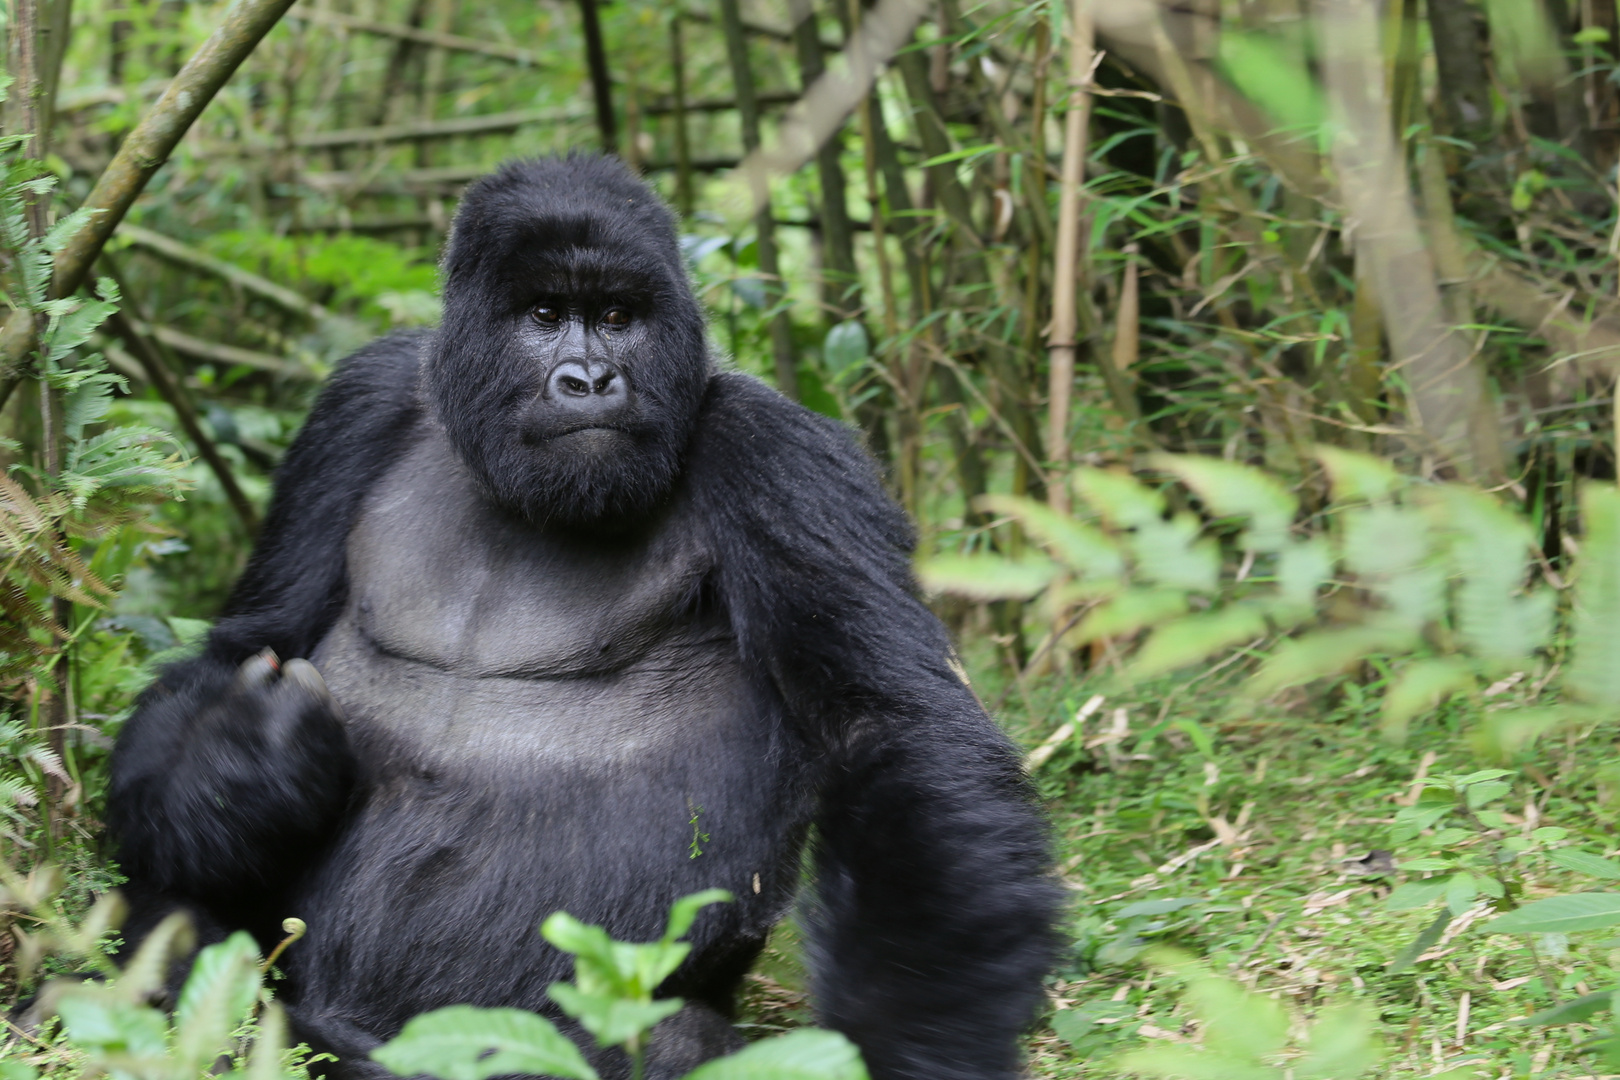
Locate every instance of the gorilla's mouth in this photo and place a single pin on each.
(595, 439)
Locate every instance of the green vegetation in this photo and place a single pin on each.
(1248, 367)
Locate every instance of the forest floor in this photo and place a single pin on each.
(1259, 841)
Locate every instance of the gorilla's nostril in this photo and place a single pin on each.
(604, 382)
(572, 384)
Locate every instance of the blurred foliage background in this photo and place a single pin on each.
(1360, 255)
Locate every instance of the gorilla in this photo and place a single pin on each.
(574, 620)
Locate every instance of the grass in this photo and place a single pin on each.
(1264, 843)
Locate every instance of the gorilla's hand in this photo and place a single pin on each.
(291, 706)
(226, 779)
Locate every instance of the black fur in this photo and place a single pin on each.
(551, 646)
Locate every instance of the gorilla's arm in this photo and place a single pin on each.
(226, 775)
(936, 904)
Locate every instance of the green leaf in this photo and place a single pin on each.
(1422, 686)
(1415, 894)
(467, 1043)
(1424, 865)
(171, 939)
(1083, 548)
(1233, 490)
(99, 1019)
(1072, 1025)
(610, 1017)
(1422, 943)
(1461, 892)
(1271, 72)
(1156, 907)
(1129, 612)
(218, 995)
(1524, 43)
(985, 576)
(1591, 865)
(1122, 501)
(1595, 669)
(1560, 915)
(1194, 638)
(685, 911)
(1504, 732)
(1359, 477)
(1490, 550)
(1302, 567)
(806, 1054)
(1325, 652)
(1575, 1011)
(846, 345)
(1343, 1044)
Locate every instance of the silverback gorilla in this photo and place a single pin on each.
(549, 585)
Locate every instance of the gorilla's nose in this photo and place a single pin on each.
(587, 388)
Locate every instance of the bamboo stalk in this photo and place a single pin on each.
(841, 289)
(742, 77)
(1066, 263)
(1453, 416)
(601, 84)
(683, 147)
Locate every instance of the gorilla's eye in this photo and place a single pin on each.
(616, 317)
(546, 315)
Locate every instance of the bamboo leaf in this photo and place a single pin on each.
(1325, 652)
(1233, 490)
(1083, 548)
(1196, 637)
(1595, 668)
(1584, 863)
(1420, 687)
(1560, 915)
(986, 576)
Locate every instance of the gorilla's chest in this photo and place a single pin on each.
(470, 634)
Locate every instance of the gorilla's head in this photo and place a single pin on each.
(571, 363)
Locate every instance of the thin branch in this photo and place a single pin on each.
(220, 353)
(421, 130)
(454, 42)
(173, 391)
(246, 280)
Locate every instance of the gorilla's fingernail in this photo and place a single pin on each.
(257, 671)
(302, 674)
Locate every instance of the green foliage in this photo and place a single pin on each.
(1245, 1036)
(466, 1043)
(109, 1027)
(612, 998)
(1436, 575)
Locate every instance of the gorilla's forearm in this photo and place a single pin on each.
(935, 908)
(937, 905)
(225, 780)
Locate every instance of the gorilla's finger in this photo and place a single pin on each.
(302, 675)
(258, 671)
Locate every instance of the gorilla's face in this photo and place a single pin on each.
(571, 363)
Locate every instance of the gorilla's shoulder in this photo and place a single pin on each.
(390, 365)
(773, 468)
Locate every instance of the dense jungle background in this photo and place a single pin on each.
(1248, 367)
